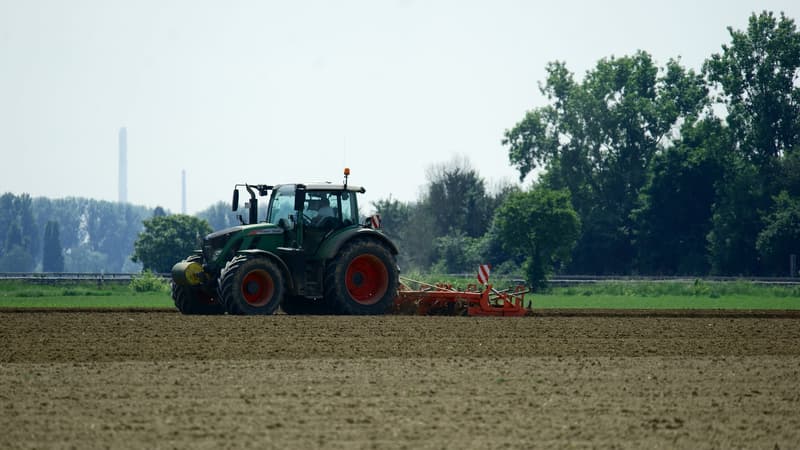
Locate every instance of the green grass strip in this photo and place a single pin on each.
(728, 302)
(141, 300)
(611, 295)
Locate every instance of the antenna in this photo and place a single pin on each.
(344, 151)
(183, 191)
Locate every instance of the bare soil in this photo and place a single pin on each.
(161, 380)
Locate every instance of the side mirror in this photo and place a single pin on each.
(235, 203)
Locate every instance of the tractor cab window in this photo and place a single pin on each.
(322, 210)
(330, 209)
(349, 208)
(282, 205)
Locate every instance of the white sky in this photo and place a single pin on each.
(276, 92)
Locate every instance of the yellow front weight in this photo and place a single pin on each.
(187, 273)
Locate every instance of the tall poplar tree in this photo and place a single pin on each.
(52, 255)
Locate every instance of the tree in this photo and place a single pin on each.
(456, 253)
(101, 231)
(781, 237)
(18, 235)
(31, 239)
(7, 217)
(15, 256)
(456, 199)
(105, 224)
(167, 240)
(398, 226)
(674, 219)
(53, 256)
(736, 219)
(756, 75)
(83, 259)
(453, 209)
(541, 227)
(219, 216)
(16, 259)
(598, 138)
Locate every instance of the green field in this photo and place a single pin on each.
(731, 302)
(672, 295)
(149, 293)
(16, 294)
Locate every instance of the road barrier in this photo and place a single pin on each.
(72, 277)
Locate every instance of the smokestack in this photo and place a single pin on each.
(183, 191)
(123, 165)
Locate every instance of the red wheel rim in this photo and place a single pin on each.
(367, 279)
(257, 288)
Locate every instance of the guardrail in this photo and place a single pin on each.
(567, 280)
(580, 279)
(54, 277)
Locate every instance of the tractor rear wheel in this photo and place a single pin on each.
(362, 279)
(251, 285)
(194, 299)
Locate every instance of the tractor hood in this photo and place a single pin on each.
(224, 243)
(224, 232)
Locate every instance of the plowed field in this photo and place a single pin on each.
(162, 380)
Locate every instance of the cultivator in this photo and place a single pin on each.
(443, 299)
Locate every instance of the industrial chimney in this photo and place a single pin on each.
(123, 165)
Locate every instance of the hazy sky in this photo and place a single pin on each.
(276, 92)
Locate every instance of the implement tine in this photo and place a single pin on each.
(433, 286)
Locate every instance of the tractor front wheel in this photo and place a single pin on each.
(251, 285)
(195, 299)
(362, 279)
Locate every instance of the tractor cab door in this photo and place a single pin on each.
(282, 213)
(322, 214)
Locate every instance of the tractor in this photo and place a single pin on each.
(310, 254)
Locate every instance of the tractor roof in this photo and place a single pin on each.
(333, 187)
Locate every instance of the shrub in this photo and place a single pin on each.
(147, 281)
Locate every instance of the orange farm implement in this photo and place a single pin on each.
(443, 299)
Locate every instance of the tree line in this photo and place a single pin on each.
(70, 234)
(640, 169)
(669, 171)
(78, 234)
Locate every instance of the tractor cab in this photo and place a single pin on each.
(309, 214)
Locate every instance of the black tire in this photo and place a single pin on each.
(251, 285)
(362, 279)
(194, 300)
(296, 305)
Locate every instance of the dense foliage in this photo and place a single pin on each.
(68, 234)
(670, 171)
(674, 172)
(53, 256)
(167, 240)
(640, 169)
(541, 228)
(449, 227)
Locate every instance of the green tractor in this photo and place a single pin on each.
(310, 255)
